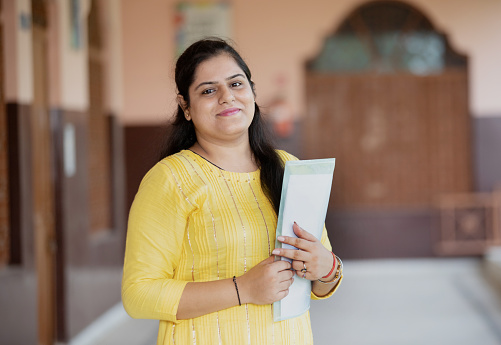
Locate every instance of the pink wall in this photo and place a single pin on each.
(277, 37)
(148, 58)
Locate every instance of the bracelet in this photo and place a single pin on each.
(333, 266)
(339, 272)
(236, 288)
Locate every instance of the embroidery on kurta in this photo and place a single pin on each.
(245, 251)
(215, 240)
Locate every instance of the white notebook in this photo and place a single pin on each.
(305, 196)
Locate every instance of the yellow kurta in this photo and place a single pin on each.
(191, 221)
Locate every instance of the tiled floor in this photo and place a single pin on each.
(381, 302)
(410, 302)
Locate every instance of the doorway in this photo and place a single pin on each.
(387, 96)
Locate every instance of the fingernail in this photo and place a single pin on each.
(275, 252)
(281, 238)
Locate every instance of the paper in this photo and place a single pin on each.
(305, 197)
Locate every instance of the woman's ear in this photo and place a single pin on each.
(182, 103)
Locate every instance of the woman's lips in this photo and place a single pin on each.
(229, 112)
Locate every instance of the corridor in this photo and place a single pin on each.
(381, 302)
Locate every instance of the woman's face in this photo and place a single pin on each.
(221, 101)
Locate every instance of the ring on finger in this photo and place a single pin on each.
(304, 270)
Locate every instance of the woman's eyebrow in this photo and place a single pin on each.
(236, 75)
(215, 82)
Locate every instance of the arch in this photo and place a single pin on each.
(395, 129)
(386, 37)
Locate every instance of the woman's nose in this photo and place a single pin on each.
(226, 95)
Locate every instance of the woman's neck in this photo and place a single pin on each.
(234, 158)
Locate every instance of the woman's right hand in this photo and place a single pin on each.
(267, 282)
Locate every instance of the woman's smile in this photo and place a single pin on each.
(229, 112)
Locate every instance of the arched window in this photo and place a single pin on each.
(386, 37)
(388, 97)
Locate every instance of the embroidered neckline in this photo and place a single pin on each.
(207, 160)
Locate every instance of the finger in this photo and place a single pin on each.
(303, 274)
(294, 254)
(296, 242)
(299, 265)
(285, 284)
(286, 275)
(301, 233)
(282, 265)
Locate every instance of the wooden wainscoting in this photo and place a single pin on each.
(399, 139)
(469, 223)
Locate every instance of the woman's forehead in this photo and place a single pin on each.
(217, 68)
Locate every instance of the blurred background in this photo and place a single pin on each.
(406, 95)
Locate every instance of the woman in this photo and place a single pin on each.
(199, 254)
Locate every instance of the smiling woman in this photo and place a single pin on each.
(199, 254)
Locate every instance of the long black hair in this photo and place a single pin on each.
(181, 132)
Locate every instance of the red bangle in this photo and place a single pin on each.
(333, 266)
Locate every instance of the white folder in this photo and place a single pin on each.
(305, 197)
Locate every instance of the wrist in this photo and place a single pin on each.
(242, 290)
(332, 271)
(236, 288)
(336, 274)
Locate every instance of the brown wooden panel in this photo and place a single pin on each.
(22, 250)
(100, 203)
(43, 190)
(399, 139)
(382, 233)
(469, 223)
(142, 145)
(100, 183)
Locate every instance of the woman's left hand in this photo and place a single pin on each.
(310, 254)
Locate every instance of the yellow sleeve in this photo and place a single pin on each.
(156, 228)
(286, 156)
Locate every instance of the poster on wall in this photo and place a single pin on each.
(194, 21)
(75, 25)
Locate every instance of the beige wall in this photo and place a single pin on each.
(148, 53)
(18, 56)
(68, 67)
(277, 37)
(73, 66)
(474, 28)
(112, 40)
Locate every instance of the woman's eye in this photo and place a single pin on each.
(208, 91)
(236, 83)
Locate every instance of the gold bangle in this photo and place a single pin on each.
(339, 272)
